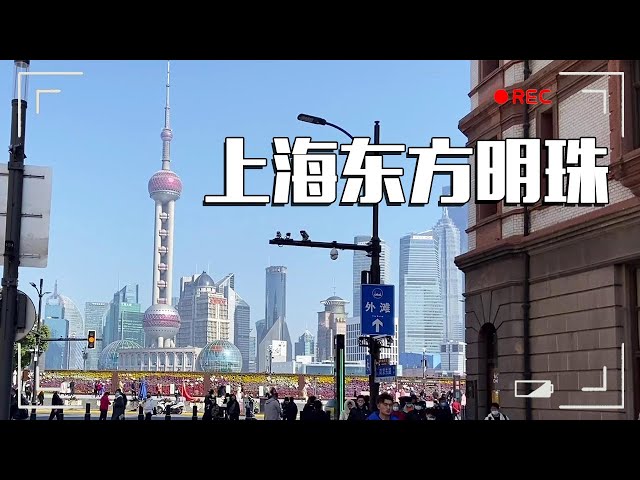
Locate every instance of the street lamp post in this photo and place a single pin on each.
(373, 249)
(269, 358)
(424, 368)
(36, 352)
(8, 313)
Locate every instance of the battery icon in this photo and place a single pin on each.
(539, 389)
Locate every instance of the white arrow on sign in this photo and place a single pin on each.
(378, 324)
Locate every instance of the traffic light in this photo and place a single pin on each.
(91, 339)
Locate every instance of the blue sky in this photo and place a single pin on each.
(101, 136)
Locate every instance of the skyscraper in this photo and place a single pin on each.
(242, 328)
(204, 312)
(94, 317)
(420, 311)
(275, 325)
(253, 349)
(362, 262)
(124, 320)
(305, 345)
(460, 217)
(161, 320)
(239, 317)
(450, 277)
(332, 321)
(275, 295)
(65, 320)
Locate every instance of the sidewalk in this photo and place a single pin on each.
(83, 399)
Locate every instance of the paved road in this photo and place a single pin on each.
(78, 415)
(72, 414)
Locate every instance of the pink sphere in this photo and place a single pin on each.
(165, 185)
(161, 321)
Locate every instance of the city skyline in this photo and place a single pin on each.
(80, 134)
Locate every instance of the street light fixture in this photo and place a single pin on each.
(373, 249)
(303, 117)
(8, 312)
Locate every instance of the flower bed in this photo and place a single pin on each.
(298, 386)
(84, 381)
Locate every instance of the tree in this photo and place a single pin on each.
(27, 345)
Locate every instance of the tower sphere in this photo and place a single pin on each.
(161, 321)
(166, 135)
(165, 186)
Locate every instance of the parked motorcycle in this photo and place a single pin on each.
(173, 407)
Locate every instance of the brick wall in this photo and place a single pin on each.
(537, 65)
(475, 100)
(515, 131)
(471, 238)
(513, 74)
(512, 225)
(574, 333)
(475, 73)
(475, 79)
(472, 189)
(581, 115)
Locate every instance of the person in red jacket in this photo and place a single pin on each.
(396, 412)
(456, 407)
(104, 406)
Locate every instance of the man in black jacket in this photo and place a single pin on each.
(361, 410)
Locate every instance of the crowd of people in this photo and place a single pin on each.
(223, 403)
(446, 407)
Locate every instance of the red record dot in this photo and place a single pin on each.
(501, 96)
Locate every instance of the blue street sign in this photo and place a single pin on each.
(385, 373)
(377, 310)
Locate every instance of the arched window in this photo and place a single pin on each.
(488, 368)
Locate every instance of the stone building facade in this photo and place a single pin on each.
(552, 292)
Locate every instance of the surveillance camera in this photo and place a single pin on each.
(334, 254)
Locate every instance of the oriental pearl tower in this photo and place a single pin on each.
(161, 320)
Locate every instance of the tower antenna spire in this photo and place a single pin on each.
(167, 133)
(167, 108)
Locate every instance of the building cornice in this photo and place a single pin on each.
(579, 228)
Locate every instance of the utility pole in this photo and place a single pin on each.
(269, 358)
(8, 312)
(424, 368)
(373, 248)
(374, 343)
(36, 353)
